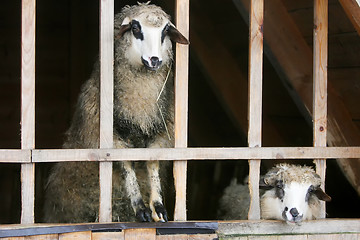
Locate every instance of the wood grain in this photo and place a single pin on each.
(140, 234)
(106, 104)
(320, 61)
(292, 58)
(255, 100)
(236, 153)
(181, 108)
(28, 107)
(15, 156)
(352, 10)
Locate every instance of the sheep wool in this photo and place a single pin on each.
(143, 118)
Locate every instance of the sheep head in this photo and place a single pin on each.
(148, 31)
(293, 193)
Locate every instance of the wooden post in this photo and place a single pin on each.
(28, 16)
(181, 108)
(106, 104)
(255, 100)
(320, 84)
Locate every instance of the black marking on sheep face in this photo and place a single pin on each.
(136, 30)
(279, 190)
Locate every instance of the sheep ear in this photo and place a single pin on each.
(264, 185)
(176, 36)
(125, 26)
(320, 194)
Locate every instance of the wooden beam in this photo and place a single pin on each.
(352, 10)
(106, 105)
(181, 108)
(171, 154)
(28, 107)
(228, 81)
(320, 86)
(292, 58)
(15, 156)
(255, 100)
(327, 226)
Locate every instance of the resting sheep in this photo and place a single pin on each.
(292, 193)
(143, 118)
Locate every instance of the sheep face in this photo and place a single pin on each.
(293, 194)
(149, 36)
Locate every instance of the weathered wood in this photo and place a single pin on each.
(75, 236)
(255, 100)
(140, 234)
(320, 61)
(292, 58)
(173, 237)
(20, 230)
(59, 155)
(352, 10)
(181, 108)
(43, 237)
(106, 104)
(15, 156)
(328, 226)
(28, 107)
(107, 236)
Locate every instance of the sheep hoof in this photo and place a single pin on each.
(143, 214)
(160, 214)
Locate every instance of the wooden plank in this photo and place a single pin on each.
(270, 227)
(292, 58)
(170, 154)
(15, 156)
(106, 104)
(255, 100)
(43, 237)
(172, 237)
(28, 107)
(107, 236)
(352, 10)
(320, 86)
(181, 108)
(140, 234)
(20, 230)
(75, 236)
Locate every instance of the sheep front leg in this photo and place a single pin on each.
(142, 213)
(158, 210)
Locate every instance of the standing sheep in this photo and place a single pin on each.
(143, 118)
(292, 193)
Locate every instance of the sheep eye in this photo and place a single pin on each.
(280, 190)
(164, 32)
(136, 30)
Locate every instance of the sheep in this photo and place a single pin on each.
(292, 193)
(143, 118)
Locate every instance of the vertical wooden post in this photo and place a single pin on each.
(255, 100)
(28, 107)
(320, 84)
(106, 104)
(181, 108)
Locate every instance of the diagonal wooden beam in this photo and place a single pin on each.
(352, 10)
(292, 58)
(227, 79)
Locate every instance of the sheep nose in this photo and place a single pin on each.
(155, 62)
(294, 212)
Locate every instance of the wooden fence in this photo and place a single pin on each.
(28, 156)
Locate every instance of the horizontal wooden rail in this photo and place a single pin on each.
(143, 154)
(15, 156)
(272, 227)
